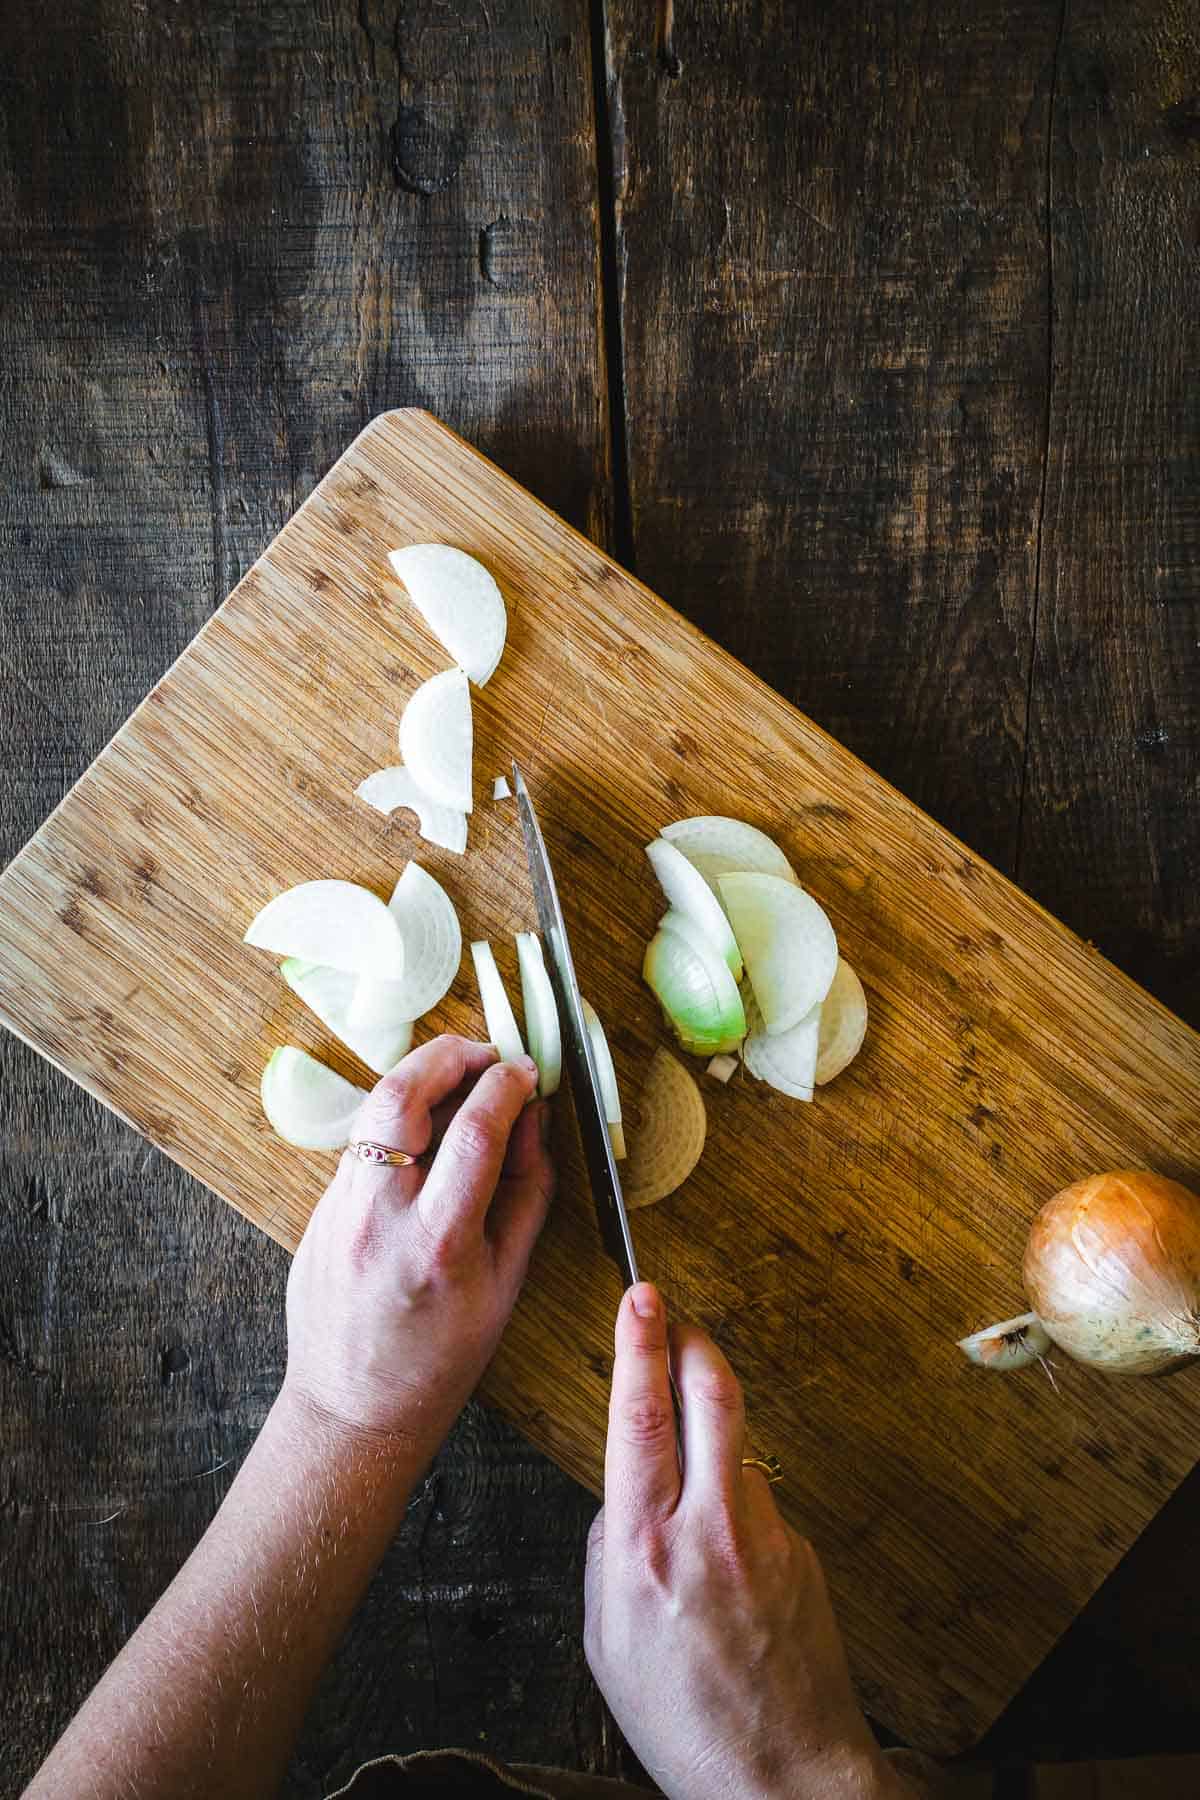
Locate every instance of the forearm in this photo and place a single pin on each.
(209, 1693)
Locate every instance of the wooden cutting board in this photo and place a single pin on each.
(834, 1250)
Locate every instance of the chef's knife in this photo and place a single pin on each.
(577, 1045)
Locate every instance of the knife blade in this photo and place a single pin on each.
(611, 1215)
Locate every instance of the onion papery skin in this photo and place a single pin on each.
(1112, 1269)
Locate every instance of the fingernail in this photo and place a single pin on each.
(645, 1301)
(527, 1063)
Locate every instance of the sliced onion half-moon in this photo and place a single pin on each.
(432, 952)
(787, 1061)
(666, 1143)
(459, 601)
(719, 846)
(332, 922)
(843, 1024)
(306, 1103)
(436, 739)
(498, 1015)
(689, 893)
(329, 993)
(694, 988)
(787, 941)
(394, 787)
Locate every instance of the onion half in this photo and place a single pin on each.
(669, 1138)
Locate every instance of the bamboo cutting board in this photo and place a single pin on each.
(834, 1250)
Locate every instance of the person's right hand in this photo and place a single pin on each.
(709, 1629)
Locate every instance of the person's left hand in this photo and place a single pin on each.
(405, 1277)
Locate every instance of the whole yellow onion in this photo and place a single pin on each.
(1112, 1270)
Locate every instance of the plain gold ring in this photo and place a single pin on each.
(770, 1466)
(368, 1152)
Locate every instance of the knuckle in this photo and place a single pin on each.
(391, 1101)
(646, 1419)
(720, 1390)
(477, 1136)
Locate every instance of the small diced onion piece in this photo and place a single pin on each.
(501, 789)
(722, 1068)
(1012, 1344)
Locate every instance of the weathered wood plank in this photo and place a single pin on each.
(230, 235)
(831, 227)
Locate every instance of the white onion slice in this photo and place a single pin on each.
(843, 1024)
(786, 1061)
(429, 924)
(331, 922)
(694, 988)
(689, 893)
(459, 601)
(330, 994)
(787, 941)
(616, 1137)
(666, 1145)
(501, 789)
(606, 1074)
(719, 846)
(498, 1014)
(722, 1068)
(306, 1103)
(541, 1013)
(390, 788)
(1013, 1344)
(436, 739)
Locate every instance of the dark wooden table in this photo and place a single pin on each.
(868, 334)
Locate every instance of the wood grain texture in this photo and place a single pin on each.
(230, 235)
(908, 307)
(834, 1251)
(834, 319)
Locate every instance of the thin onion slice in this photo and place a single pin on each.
(498, 1014)
(459, 601)
(616, 1137)
(787, 1061)
(432, 952)
(666, 1144)
(541, 1013)
(843, 1024)
(719, 846)
(436, 739)
(329, 993)
(306, 1103)
(787, 941)
(1013, 1344)
(695, 988)
(388, 789)
(689, 893)
(332, 922)
(606, 1074)
(722, 1068)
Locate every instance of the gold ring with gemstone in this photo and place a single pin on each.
(770, 1466)
(368, 1152)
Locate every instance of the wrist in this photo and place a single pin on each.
(839, 1772)
(307, 1434)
